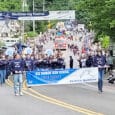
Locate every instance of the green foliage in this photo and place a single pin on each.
(10, 5)
(105, 41)
(100, 13)
(112, 24)
(31, 34)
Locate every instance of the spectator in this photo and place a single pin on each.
(109, 60)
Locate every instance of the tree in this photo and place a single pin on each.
(105, 41)
(10, 5)
(31, 34)
(100, 13)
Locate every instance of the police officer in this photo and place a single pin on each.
(17, 70)
(100, 62)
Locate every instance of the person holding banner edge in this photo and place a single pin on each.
(100, 62)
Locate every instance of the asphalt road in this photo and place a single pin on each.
(77, 99)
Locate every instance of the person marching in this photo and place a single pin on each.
(100, 62)
(8, 67)
(28, 63)
(71, 62)
(3, 65)
(17, 70)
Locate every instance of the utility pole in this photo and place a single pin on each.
(33, 20)
(23, 8)
(43, 5)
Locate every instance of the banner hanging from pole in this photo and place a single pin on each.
(53, 15)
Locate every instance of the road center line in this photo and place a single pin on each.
(45, 98)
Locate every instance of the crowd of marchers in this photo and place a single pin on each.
(85, 52)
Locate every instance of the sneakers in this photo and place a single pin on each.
(17, 94)
(100, 91)
(21, 94)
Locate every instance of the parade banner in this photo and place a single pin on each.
(53, 15)
(16, 15)
(61, 76)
